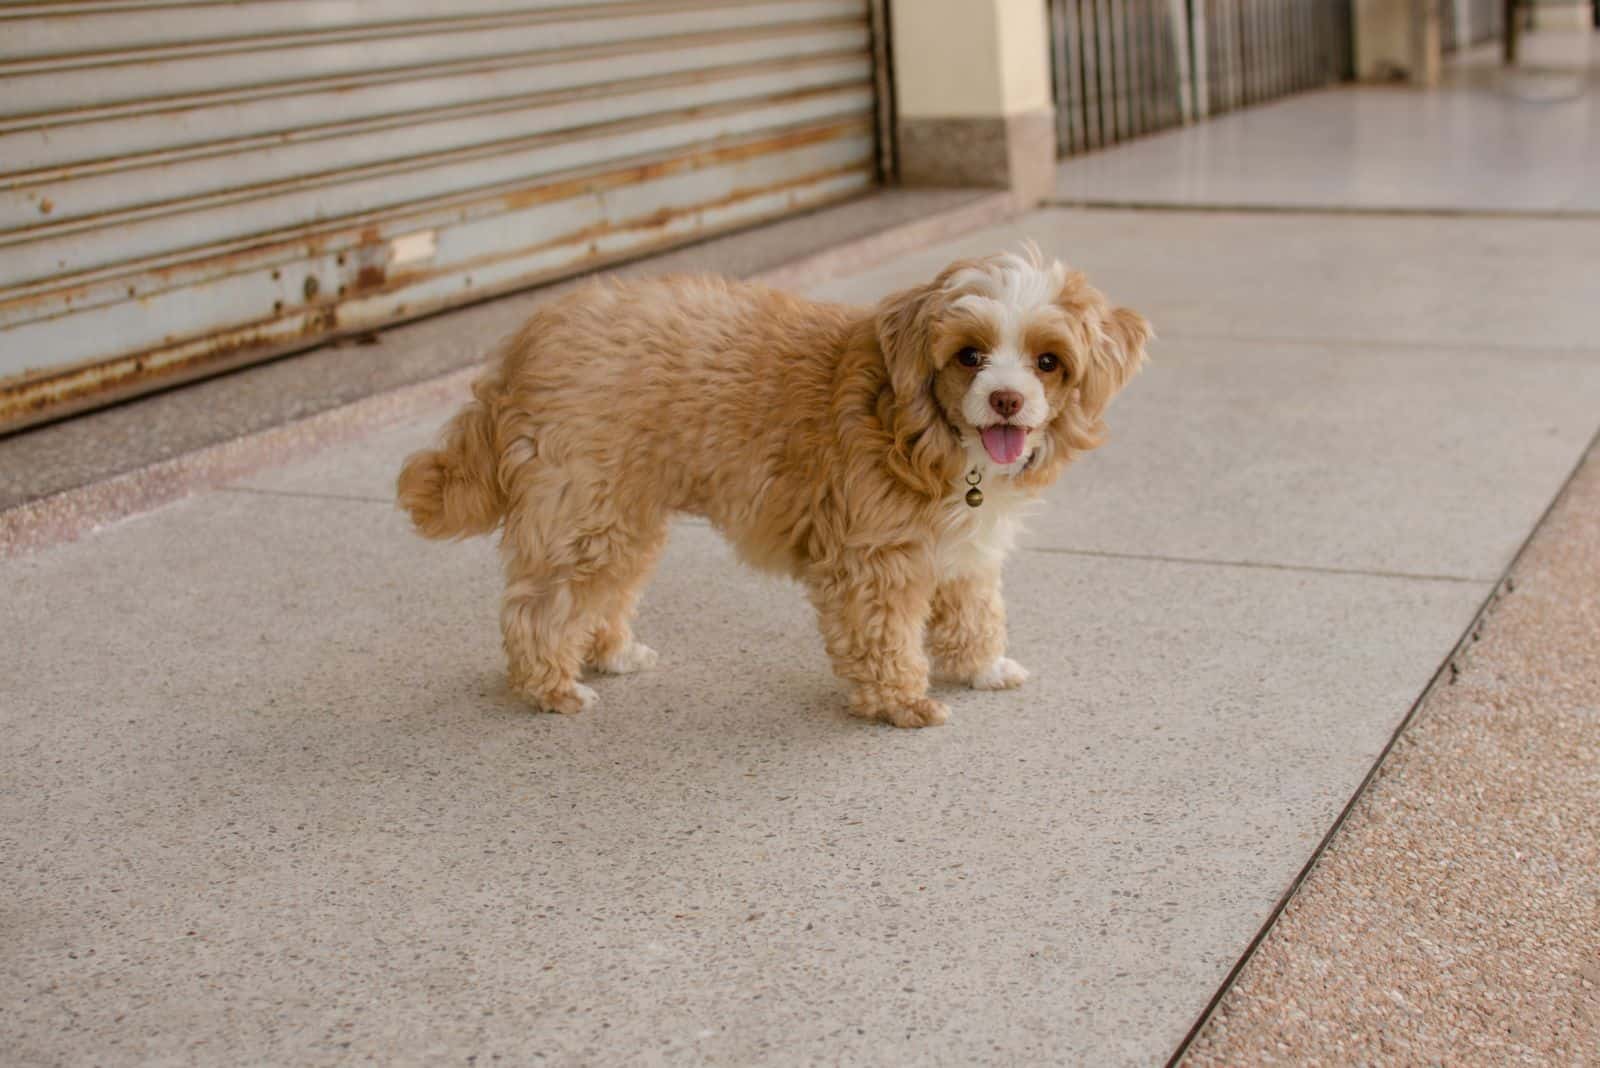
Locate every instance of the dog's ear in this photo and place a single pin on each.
(1115, 353)
(904, 324)
(905, 336)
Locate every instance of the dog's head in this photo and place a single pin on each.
(1019, 357)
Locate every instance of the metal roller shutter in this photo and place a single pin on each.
(186, 186)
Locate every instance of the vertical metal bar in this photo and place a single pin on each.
(1327, 39)
(1127, 66)
(1272, 52)
(1138, 119)
(1288, 14)
(1068, 92)
(1105, 60)
(1295, 45)
(1228, 59)
(1216, 58)
(1241, 17)
(1328, 56)
(1163, 41)
(1163, 98)
(1129, 42)
(1260, 52)
(1139, 112)
(1160, 64)
(1197, 78)
(1175, 50)
(1308, 43)
(883, 93)
(1069, 97)
(1090, 36)
(1241, 55)
(1263, 50)
(1274, 66)
(1293, 41)
(1058, 78)
(1119, 68)
(1313, 35)
(1314, 42)
(1079, 57)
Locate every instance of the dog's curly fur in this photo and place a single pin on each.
(828, 443)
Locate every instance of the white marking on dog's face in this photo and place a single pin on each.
(1007, 293)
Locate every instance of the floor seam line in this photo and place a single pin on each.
(1264, 566)
(305, 494)
(1169, 207)
(1382, 343)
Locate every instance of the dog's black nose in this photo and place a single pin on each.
(1007, 402)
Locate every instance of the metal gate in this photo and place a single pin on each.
(1463, 23)
(186, 186)
(1124, 68)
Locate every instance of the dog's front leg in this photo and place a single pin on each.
(872, 609)
(967, 633)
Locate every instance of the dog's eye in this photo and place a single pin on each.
(969, 357)
(1048, 361)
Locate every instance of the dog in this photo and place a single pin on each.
(880, 456)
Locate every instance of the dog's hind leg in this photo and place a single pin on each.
(542, 638)
(543, 619)
(574, 566)
(612, 647)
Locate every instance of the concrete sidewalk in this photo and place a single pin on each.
(266, 800)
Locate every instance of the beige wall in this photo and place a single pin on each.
(970, 58)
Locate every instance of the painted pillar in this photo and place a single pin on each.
(972, 94)
(1398, 40)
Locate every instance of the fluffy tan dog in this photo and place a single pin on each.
(836, 445)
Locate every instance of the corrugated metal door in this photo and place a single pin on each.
(189, 185)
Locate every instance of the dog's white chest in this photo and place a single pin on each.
(978, 539)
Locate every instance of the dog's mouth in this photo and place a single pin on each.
(1004, 442)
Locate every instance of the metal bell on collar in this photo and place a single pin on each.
(974, 495)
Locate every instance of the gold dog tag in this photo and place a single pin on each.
(974, 495)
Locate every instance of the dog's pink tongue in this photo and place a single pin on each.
(1003, 443)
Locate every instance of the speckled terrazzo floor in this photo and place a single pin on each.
(265, 799)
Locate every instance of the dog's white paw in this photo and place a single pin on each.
(634, 656)
(1003, 674)
(570, 702)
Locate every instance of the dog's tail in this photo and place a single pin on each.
(455, 492)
